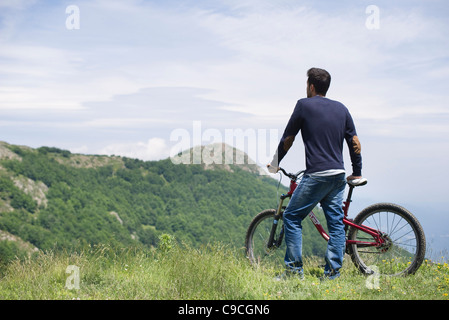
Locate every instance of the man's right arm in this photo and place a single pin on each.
(290, 132)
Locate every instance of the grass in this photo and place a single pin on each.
(212, 272)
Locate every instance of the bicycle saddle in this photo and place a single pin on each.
(358, 182)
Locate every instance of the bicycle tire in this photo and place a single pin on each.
(256, 240)
(405, 247)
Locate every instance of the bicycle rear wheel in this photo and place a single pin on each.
(258, 249)
(405, 244)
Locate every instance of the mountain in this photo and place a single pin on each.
(53, 199)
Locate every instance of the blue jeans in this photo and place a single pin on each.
(313, 190)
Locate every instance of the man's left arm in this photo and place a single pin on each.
(355, 149)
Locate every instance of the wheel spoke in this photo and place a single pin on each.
(403, 245)
(259, 250)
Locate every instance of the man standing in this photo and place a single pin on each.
(324, 125)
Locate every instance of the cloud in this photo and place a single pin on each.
(160, 108)
(153, 149)
(140, 69)
(253, 57)
(144, 68)
(16, 4)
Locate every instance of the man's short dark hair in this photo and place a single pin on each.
(320, 78)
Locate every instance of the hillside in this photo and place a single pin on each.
(211, 272)
(53, 199)
(115, 219)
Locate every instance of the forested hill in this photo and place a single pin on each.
(51, 198)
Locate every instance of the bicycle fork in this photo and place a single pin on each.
(272, 242)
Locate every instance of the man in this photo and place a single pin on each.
(324, 125)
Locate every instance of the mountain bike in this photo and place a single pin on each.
(384, 238)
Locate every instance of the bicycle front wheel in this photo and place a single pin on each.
(404, 246)
(259, 249)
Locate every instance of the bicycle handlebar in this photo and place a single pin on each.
(353, 183)
(284, 172)
(291, 175)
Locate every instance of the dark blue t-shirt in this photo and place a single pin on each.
(324, 125)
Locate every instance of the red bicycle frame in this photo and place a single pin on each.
(378, 241)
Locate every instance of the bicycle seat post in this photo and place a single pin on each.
(348, 200)
(351, 188)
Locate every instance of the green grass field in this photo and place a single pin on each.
(212, 272)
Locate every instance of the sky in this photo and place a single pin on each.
(147, 79)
